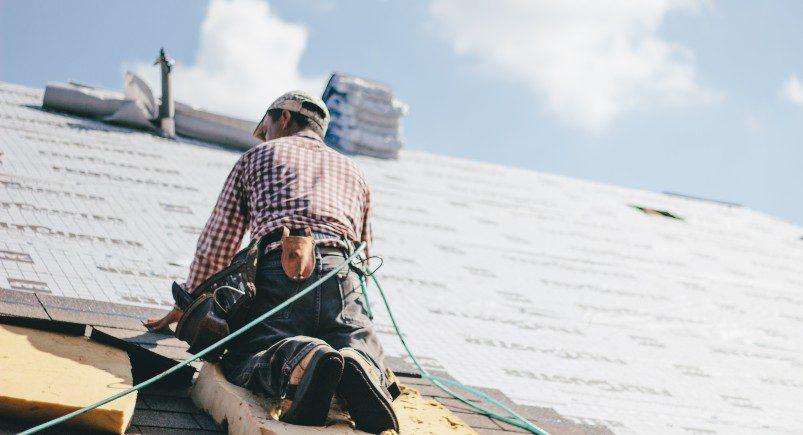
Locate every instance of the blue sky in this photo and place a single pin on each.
(700, 98)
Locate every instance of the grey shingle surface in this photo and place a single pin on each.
(167, 419)
(156, 419)
(23, 304)
(100, 313)
(168, 410)
(545, 418)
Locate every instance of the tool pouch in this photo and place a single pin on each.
(298, 255)
(201, 326)
(217, 303)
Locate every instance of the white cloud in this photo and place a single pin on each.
(589, 60)
(247, 56)
(793, 90)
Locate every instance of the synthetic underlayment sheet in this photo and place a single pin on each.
(553, 290)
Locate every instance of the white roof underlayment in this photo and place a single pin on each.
(554, 290)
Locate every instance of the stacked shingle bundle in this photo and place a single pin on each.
(365, 116)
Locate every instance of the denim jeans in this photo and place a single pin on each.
(333, 313)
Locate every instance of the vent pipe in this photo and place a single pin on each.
(167, 108)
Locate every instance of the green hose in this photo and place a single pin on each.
(512, 417)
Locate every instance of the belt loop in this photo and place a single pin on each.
(318, 260)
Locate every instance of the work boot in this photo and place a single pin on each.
(312, 384)
(366, 400)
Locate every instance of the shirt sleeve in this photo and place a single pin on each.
(223, 232)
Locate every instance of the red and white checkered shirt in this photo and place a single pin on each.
(294, 181)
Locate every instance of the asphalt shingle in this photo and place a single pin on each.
(21, 304)
(164, 419)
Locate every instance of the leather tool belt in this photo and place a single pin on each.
(223, 299)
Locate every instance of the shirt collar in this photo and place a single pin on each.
(307, 135)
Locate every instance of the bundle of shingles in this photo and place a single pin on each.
(365, 116)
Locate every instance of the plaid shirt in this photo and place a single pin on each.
(295, 181)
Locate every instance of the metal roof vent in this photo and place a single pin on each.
(167, 109)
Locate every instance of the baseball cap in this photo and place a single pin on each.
(294, 101)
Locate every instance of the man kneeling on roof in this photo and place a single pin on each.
(323, 343)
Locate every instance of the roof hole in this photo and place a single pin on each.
(655, 212)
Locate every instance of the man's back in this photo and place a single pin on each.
(294, 181)
(299, 180)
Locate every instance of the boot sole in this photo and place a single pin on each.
(315, 391)
(370, 409)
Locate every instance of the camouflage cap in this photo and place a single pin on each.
(294, 102)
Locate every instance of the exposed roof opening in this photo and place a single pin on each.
(654, 212)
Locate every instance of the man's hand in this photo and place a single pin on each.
(155, 325)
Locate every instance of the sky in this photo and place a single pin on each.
(703, 98)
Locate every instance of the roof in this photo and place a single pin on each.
(558, 292)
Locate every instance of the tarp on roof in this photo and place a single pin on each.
(138, 108)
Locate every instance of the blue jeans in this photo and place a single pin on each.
(334, 313)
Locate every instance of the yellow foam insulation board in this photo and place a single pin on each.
(245, 413)
(422, 415)
(44, 375)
